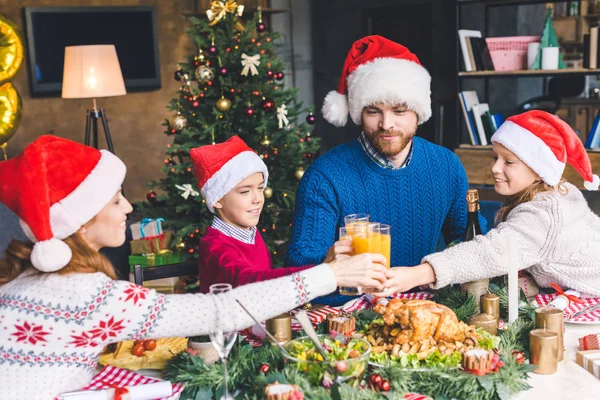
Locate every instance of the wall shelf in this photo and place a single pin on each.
(529, 73)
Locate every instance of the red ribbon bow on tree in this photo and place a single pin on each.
(561, 292)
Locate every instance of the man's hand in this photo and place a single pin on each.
(402, 279)
(340, 250)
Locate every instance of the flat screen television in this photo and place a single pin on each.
(132, 30)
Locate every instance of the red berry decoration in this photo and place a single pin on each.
(268, 105)
(384, 386)
(249, 112)
(311, 119)
(151, 196)
(260, 27)
(518, 356)
(264, 368)
(375, 380)
(212, 50)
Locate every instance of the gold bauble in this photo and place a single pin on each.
(299, 173)
(223, 104)
(178, 122)
(11, 49)
(204, 74)
(265, 141)
(180, 246)
(10, 111)
(268, 192)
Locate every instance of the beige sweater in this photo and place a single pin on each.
(557, 239)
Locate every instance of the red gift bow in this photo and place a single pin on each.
(161, 237)
(571, 297)
(120, 392)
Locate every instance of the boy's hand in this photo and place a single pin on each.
(402, 279)
(363, 270)
(340, 250)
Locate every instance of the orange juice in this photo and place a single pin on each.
(369, 244)
(386, 248)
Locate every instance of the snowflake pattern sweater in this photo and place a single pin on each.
(418, 201)
(53, 327)
(557, 238)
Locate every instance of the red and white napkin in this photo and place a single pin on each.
(572, 308)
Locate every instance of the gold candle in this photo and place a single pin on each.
(553, 320)
(280, 327)
(476, 288)
(490, 304)
(485, 321)
(543, 346)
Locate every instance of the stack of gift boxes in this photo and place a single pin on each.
(588, 355)
(150, 245)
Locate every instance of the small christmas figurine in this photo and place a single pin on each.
(279, 391)
(343, 324)
(481, 362)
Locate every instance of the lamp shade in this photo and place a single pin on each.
(92, 71)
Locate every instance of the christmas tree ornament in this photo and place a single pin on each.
(12, 49)
(282, 116)
(178, 75)
(268, 105)
(170, 162)
(204, 74)
(223, 104)
(212, 50)
(268, 192)
(10, 109)
(279, 76)
(180, 246)
(311, 119)
(194, 103)
(219, 9)
(250, 63)
(264, 368)
(151, 196)
(265, 141)
(270, 74)
(223, 71)
(260, 26)
(201, 58)
(518, 356)
(249, 112)
(187, 190)
(299, 173)
(178, 122)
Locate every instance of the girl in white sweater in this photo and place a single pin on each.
(555, 234)
(59, 301)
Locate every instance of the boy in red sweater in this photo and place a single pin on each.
(231, 178)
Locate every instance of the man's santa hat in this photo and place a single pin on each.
(378, 70)
(546, 143)
(55, 186)
(220, 167)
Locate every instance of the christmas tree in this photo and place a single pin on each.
(233, 85)
(548, 39)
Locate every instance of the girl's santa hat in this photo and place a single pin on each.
(55, 186)
(378, 70)
(220, 167)
(546, 143)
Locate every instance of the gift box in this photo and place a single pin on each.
(590, 342)
(147, 227)
(163, 257)
(151, 244)
(590, 360)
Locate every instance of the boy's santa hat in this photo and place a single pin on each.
(378, 70)
(546, 143)
(55, 186)
(220, 167)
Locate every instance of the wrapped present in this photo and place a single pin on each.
(590, 342)
(147, 227)
(151, 244)
(162, 257)
(590, 360)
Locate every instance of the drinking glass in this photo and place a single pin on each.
(223, 341)
(366, 238)
(386, 243)
(350, 220)
(344, 290)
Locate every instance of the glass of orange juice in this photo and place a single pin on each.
(347, 291)
(366, 237)
(386, 243)
(350, 220)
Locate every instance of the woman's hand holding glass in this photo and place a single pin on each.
(362, 270)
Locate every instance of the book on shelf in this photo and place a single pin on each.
(593, 139)
(591, 48)
(467, 100)
(481, 53)
(462, 36)
(478, 111)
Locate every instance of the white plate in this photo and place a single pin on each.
(582, 322)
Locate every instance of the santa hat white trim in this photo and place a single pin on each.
(335, 108)
(532, 150)
(74, 210)
(230, 174)
(390, 81)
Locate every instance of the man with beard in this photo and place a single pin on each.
(416, 187)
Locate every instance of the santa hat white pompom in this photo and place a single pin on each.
(335, 108)
(50, 255)
(594, 184)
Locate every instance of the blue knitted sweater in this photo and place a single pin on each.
(419, 201)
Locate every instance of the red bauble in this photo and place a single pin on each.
(518, 356)
(260, 27)
(311, 119)
(151, 196)
(249, 112)
(212, 50)
(268, 105)
(279, 76)
(194, 104)
(270, 74)
(223, 71)
(264, 368)
(385, 386)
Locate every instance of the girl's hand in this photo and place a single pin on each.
(340, 249)
(365, 270)
(402, 279)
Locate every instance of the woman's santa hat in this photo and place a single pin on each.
(220, 167)
(378, 70)
(55, 186)
(546, 143)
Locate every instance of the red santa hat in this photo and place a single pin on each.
(54, 187)
(378, 70)
(546, 143)
(220, 167)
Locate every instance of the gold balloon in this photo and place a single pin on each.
(11, 49)
(223, 104)
(268, 192)
(10, 111)
(299, 173)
